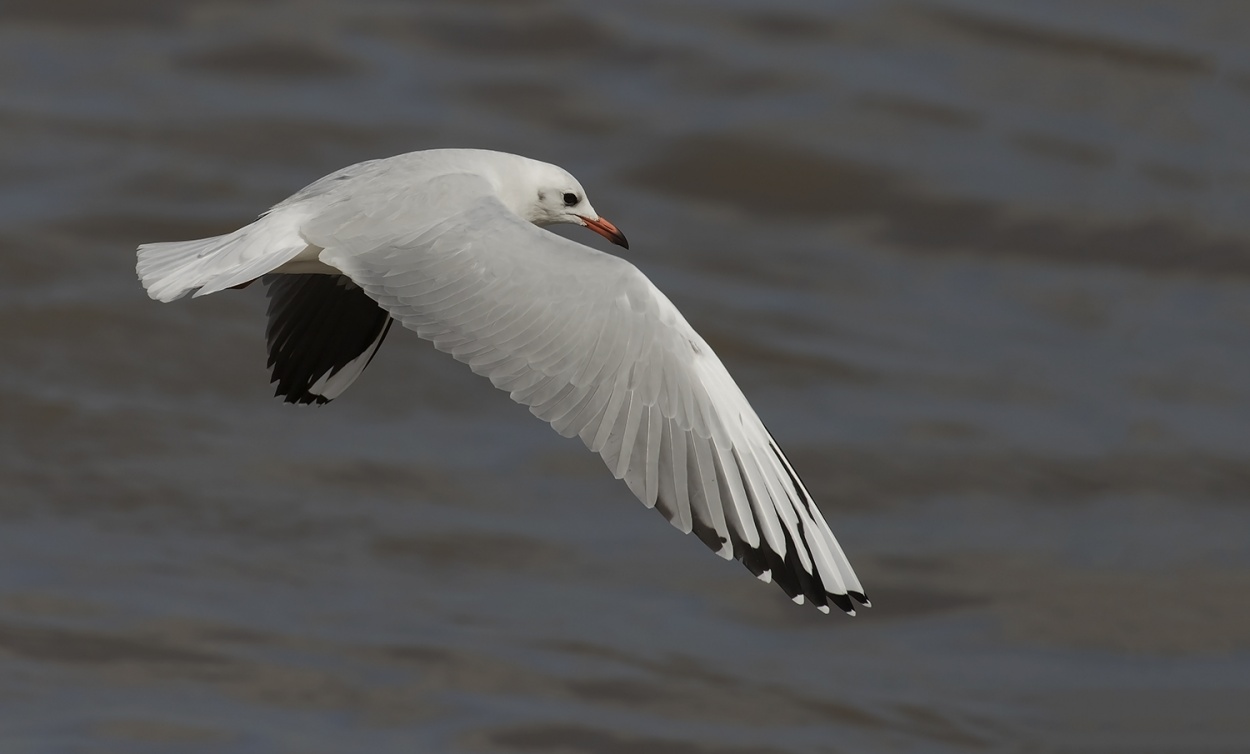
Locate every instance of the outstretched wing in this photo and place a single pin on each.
(593, 348)
(322, 333)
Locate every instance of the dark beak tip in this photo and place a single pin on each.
(621, 241)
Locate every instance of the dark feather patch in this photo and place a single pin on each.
(318, 324)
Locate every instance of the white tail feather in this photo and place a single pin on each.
(171, 270)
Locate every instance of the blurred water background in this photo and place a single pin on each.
(982, 267)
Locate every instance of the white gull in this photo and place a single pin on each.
(450, 243)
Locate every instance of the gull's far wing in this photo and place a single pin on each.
(322, 333)
(594, 349)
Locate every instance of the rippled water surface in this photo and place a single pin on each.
(982, 267)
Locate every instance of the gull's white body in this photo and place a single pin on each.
(448, 243)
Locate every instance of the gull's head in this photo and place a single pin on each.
(546, 195)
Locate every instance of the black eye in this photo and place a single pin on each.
(570, 200)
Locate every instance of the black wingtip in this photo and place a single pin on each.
(843, 602)
(318, 325)
(301, 399)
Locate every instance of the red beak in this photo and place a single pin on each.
(607, 230)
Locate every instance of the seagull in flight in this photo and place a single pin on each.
(451, 244)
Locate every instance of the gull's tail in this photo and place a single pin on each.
(171, 270)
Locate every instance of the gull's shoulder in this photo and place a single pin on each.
(410, 171)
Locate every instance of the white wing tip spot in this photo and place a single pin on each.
(766, 576)
(798, 599)
(823, 608)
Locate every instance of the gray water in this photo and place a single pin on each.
(982, 268)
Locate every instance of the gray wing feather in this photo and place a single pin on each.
(591, 346)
